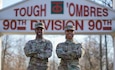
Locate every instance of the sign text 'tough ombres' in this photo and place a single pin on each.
(57, 7)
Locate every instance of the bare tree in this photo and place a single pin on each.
(13, 57)
(21, 59)
(91, 58)
(107, 3)
(5, 48)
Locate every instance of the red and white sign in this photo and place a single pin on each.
(86, 16)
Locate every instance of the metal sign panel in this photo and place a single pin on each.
(88, 17)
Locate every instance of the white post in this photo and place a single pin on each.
(113, 35)
(0, 53)
(0, 38)
(114, 52)
(0, 50)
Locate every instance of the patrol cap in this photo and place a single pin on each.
(39, 24)
(69, 27)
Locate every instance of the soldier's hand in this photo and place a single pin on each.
(69, 52)
(78, 53)
(41, 56)
(40, 51)
(33, 51)
(73, 54)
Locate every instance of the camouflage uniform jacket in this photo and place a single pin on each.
(69, 52)
(39, 51)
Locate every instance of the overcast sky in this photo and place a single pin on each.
(7, 3)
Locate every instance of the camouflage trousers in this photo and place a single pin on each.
(37, 64)
(34, 67)
(68, 67)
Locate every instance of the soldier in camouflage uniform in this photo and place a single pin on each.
(39, 50)
(69, 51)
